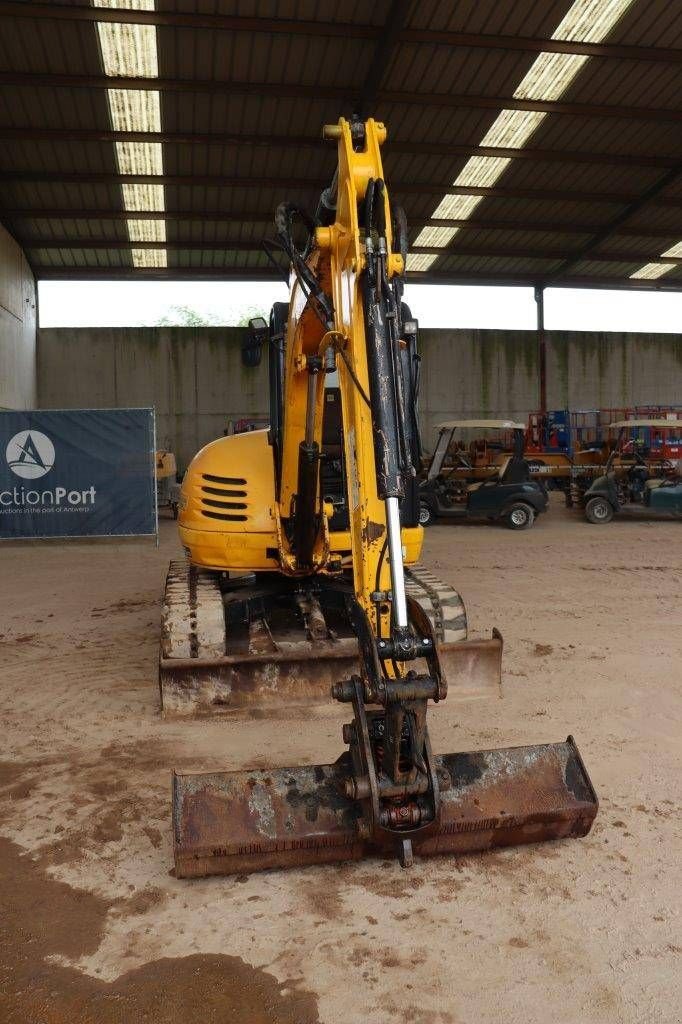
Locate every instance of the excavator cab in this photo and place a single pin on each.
(290, 598)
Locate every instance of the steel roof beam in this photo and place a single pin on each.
(531, 281)
(265, 217)
(309, 184)
(511, 253)
(76, 273)
(543, 227)
(31, 134)
(345, 30)
(73, 272)
(237, 245)
(383, 54)
(651, 195)
(116, 243)
(338, 94)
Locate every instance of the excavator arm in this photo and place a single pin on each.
(388, 792)
(351, 323)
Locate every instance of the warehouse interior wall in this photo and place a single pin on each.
(479, 373)
(192, 376)
(195, 379)
(18, 322)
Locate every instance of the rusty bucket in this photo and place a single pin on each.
(238, 822)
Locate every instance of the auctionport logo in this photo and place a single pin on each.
(30, 454)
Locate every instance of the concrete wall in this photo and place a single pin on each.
(195, 379)
(17, 327)
(593, 370)
(495, 373)
(469, 374)
(192, 376)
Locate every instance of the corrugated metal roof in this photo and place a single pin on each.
(520, 19)
(266, 85)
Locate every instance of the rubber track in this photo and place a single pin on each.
(193, 621)
(440, 601)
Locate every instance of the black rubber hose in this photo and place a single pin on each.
(380, 207)
(400, 232)
(369, 207)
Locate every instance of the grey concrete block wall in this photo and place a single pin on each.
(474, 374)
(596, 370)
(17, 327)
(195, 379)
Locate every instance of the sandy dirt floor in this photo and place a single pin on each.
(94, 927)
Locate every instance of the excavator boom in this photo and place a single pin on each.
(388, 792)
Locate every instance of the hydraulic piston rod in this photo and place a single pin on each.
(395, 554)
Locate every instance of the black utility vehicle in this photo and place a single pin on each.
(507, 493)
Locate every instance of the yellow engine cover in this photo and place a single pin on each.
(227, 518)
(227, 504)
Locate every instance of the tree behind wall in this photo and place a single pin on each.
(185, 316)
(250, 314)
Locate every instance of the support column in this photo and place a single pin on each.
(542, 345)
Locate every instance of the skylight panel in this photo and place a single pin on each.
(650, 271)
(418, 261)
(482, 171)
(130, 51)
(135, 110)
(589, 21)
(139, 198)
(547, 79)
(674, 250)
(550, 76)
(139, 157)
(149, 258)
(512, 128)
(147, 230)
(454, 207)
(437, 236)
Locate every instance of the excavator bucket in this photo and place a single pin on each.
(238, 646)
(239, 822)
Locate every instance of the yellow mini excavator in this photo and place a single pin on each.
(303, 545)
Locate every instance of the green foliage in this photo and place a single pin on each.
(185, 316)
(250, 314)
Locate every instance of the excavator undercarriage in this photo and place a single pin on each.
(234, 645)
(303, 577)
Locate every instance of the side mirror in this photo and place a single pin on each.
(252, 346)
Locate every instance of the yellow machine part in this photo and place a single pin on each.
(228, 509)
(166, 466)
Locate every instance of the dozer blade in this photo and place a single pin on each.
(276, 658)
(293, 678)
(302, 676)
(472, 668)
(238, 822)
(289, 660)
